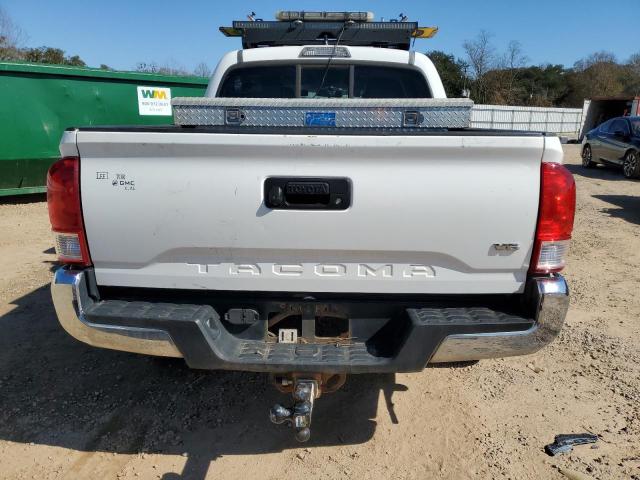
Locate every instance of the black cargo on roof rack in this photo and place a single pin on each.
(370, 34)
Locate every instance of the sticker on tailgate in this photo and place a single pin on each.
(320, 119)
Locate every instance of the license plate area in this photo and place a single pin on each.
(308, 324)
(300, 193)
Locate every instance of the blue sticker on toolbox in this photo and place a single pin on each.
(320, 119)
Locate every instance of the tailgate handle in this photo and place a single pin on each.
(285, 193)
(307, 193)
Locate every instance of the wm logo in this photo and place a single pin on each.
(157, 94)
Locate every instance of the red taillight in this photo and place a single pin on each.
(555, 219)
(65, 212)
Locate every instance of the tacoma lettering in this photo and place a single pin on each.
(335, 270)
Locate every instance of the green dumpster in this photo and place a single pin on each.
(37, 102)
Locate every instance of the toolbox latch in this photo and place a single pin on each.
(412, 118)
(234, 116)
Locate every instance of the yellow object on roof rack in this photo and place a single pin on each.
(425, 32)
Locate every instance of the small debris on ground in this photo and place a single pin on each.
(535, 368)
(565, 443)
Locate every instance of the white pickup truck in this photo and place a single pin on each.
(317, 250)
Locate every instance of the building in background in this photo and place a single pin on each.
(598, 110)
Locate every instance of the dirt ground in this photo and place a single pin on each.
(71, 411)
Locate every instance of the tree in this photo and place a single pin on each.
(634, 63)
(54, 56)
(595, 59)
(147, 67)
(169, 68)
(76, 61)
(632, 83)
(481, 56)
(511, 62)
(202, 70)
(495, 77)
(44, 55)
(541, 86)
(597, 75)
(451, 70)
(11, 37)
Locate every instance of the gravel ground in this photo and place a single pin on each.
(71, 411)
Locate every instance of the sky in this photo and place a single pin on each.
(122, 33)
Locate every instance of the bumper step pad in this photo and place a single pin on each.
(468, 318)
(202, 338)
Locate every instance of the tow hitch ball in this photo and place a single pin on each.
(305, 388)
(305, 392)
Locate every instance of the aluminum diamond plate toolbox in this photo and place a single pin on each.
(338, 113)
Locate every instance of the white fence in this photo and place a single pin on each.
(536, 119)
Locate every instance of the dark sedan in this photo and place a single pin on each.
(615, 142)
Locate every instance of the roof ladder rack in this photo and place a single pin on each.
(324, 28)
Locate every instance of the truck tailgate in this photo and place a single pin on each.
(185, 210)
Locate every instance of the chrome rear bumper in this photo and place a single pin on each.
(69, 290)
(551, 296)
(552, 299)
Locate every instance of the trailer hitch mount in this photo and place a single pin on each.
(305, 391)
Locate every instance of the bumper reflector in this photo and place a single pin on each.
(68, 246)
(553, 255)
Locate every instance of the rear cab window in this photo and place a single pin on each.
(260, 82)
(318, 81)
(389, 82)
